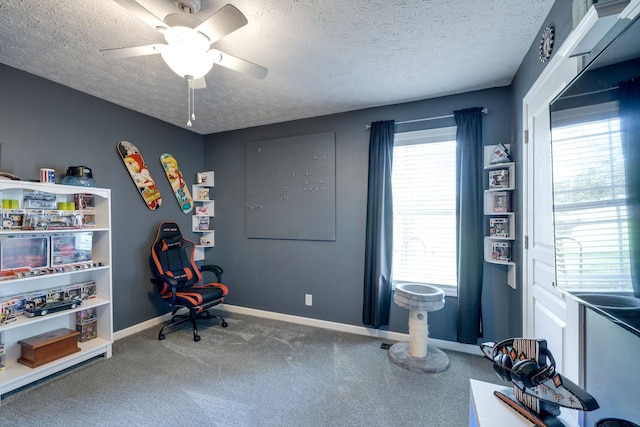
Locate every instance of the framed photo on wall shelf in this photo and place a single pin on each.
(501, 251)
(500, 154)
(502, 201)
(499, 227)
(499, 178)
(203, 194)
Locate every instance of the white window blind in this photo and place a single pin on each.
(423, 179)
(592, 244)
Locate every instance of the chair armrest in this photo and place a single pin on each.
(160, 279)
(163, 278)
(216, 269)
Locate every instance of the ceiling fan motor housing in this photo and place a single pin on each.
(188, 6)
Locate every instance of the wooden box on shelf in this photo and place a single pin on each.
(47, 347)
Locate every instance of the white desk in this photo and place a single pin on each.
(486, 410)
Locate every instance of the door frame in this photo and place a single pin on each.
(554, 78)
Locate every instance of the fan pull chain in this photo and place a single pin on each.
(193, 100)
(191, 114)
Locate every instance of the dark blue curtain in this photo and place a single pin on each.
(469, 214)
(379, 234)
(629, 106)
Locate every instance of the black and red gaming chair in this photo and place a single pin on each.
(179, 280)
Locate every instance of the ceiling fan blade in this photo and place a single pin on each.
(237, 64)
(225, 21)
(141, 13)
(128, 52)
(200, 83)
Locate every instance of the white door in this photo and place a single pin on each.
(548, 314)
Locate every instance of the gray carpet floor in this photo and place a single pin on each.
(256, 372)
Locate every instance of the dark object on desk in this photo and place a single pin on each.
(537, 387)
(180, 281)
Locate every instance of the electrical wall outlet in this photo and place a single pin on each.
(308, 299)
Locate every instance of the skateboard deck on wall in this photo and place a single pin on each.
(178, 184)
(140, 174)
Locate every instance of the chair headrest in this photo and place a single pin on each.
(172, 242)
(169, 236)
(167, 229)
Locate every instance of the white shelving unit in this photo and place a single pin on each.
(204, 212)
(15, 374)
(499, 213)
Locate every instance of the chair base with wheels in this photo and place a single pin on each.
(176, 319)
(180, 281)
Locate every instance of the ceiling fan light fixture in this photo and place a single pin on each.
(186, 52)
(185, 64)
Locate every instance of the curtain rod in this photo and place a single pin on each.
(368, 126)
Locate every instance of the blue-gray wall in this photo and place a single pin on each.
(274, 275)
(43, 124)
(333, 271)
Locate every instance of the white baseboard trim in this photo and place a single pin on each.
(341, 327)
(156, 321)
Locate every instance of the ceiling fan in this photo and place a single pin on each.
(188, 50)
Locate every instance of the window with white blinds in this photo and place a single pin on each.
(592, 243)
(424, 211)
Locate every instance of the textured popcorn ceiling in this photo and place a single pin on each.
(323, 56)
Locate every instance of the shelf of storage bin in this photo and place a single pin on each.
(13, 190)
(16, 375)
(490, 201)
(202, 222)
(51, 231)
(31, 283)
(510, 168)
(511, 227)
(204, 211)
(25, 320)
(489, 257)
(505, 191)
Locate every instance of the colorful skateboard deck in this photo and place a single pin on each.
(140, 174)
(178, 184)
